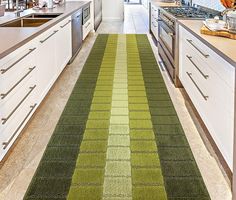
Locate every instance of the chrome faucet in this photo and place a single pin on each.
(18, 9)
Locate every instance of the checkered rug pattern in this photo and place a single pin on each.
(119, 137)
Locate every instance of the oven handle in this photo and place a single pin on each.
(191, 42)
(166, 28)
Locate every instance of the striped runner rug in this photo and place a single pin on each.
(119, 137)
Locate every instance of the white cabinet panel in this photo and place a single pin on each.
(154, 21)
(26, 75)
(211, 94)
(87, 27)
(220, 66)
(46, 61)
(63, 44)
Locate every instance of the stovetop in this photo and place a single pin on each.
(191, 12)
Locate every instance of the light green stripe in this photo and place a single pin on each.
(117, 181)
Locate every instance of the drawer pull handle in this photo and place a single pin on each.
(190, 59)
(5, 144)
(87, 25)
(65, 24)
(154, 24)
(18, 82)
(191, 42)
(4, 120)
(44, 40)
(12, 65)
(190, 76)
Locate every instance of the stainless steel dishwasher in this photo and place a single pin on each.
(77, 35)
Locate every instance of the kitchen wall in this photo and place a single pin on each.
(214, 4)
(112, 10)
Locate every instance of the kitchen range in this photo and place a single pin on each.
(167, 34)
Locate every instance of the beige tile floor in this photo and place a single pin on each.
(17, 171)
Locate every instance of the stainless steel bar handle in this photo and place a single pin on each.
(44, 40)
(154, 24)
(200, 91)
(194, 64)
(5, 144)
(18, 82)
(65, 24)
(4, 120)
(88, 25)
(12, 65)
(191, 42)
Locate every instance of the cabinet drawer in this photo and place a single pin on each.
(15, 126)
(215, 89)
(222, 68)
(87, 27)
(44, 37)
(212, 97)
(218, 120)
(14, 63)
(9, 85)
(154, 10)
(64, 23)
(10, 109)
(154, 22)
(154, 28)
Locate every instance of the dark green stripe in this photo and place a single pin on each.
(181, 174)
(52, 179)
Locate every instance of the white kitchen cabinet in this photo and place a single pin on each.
(63, 44)
(87, 27)
(145, 3)
(154, 21)
(46, 61)
(26, 75)
(17, 93)
(209, 81)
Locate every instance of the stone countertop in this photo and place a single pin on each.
(225, 47)
(12, 38)
(160, 3)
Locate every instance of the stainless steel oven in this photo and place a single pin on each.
(167, 42)
(167, 37)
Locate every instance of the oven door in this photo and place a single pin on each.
(167, 38)
(86, 14)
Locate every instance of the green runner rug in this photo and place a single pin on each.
(119, 137)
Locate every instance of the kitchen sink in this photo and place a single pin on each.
(43, 15)
(32, 20)
(25, 22)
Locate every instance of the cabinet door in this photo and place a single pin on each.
(63, 44)
(46, 60)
